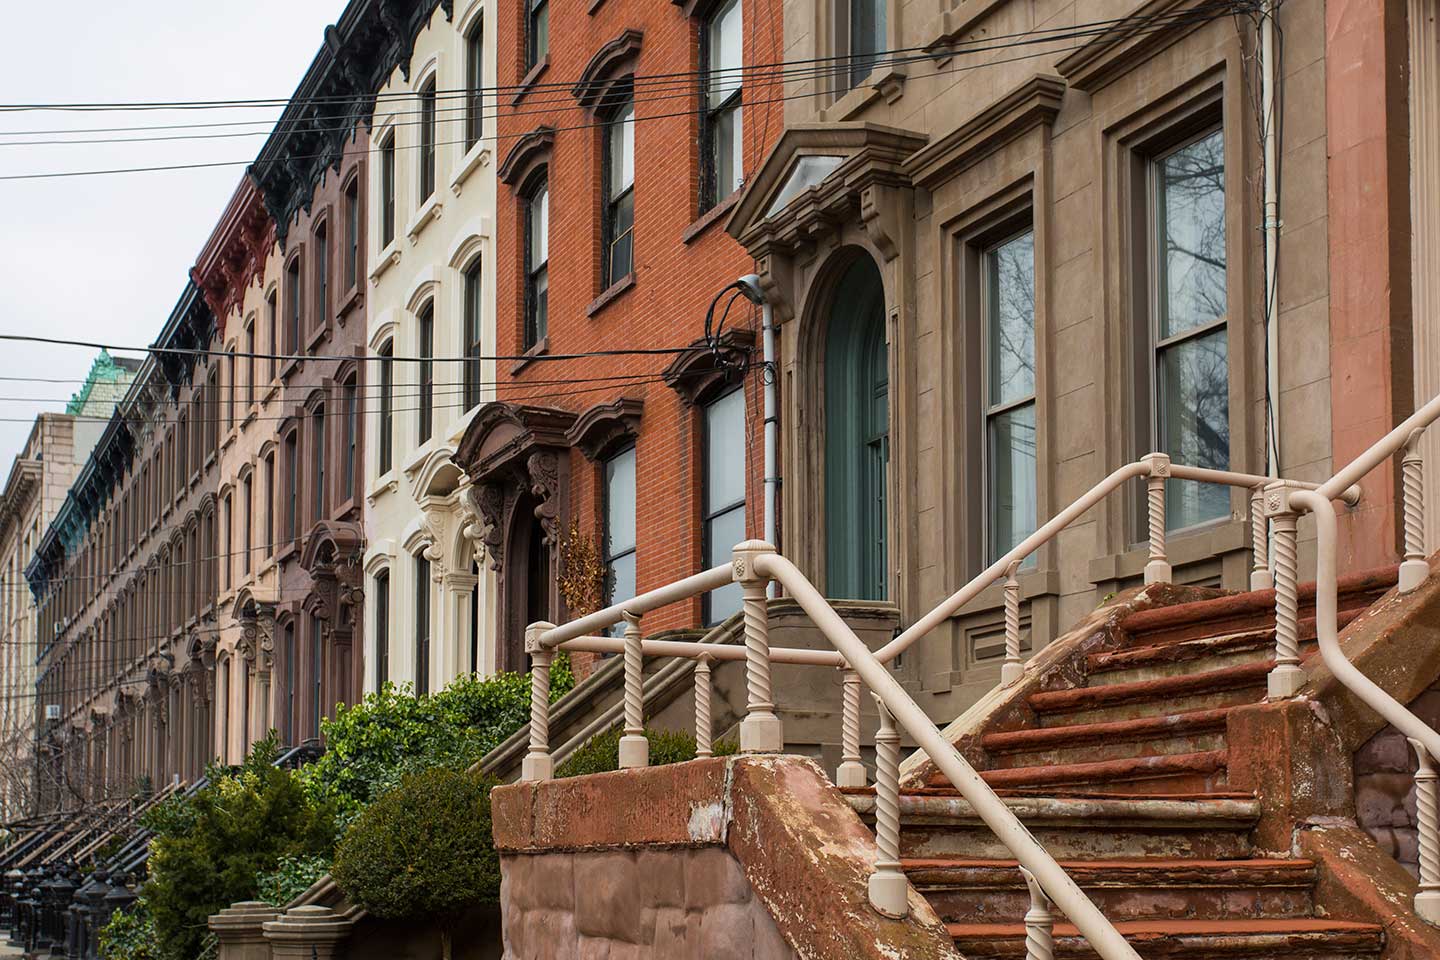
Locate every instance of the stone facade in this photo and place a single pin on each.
(431, 290)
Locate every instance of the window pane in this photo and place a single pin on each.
(1011, 320)
(1192, 224)
(540, 228)
(726, 145)
(725, 52)
(1194, 386)
(622, 584)
(475, 102)
(867, 36)
(1012, 478)
(622, 228)
(721, 534)
(539, 32)
(620, 503)
(725, 452)
(621, 135)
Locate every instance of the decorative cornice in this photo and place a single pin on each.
(235, 253)
(700, 371)
(601, 429)
(529, 151)
(610, 65)
(1128, 44)
(1034, 103)
(502, 435)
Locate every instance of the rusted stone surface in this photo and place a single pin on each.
(1362, 882)
(1287, 937)
(1194, 771)
(1170, 725)
(637, 864)
(1212, 681)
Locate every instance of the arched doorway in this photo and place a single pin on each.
(857, 435)
(527, 583)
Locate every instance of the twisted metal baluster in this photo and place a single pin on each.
(1014, 667)
(1157, 570)
(851, 772)
(1287, 677)
(538, 764)
(1039, 922)
(1260, 578)
(889, 890)
(1414, 570)
(634, 748)
(703, 729)
(1427, 816)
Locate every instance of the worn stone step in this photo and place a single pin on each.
(1145, 698)
(1194, 772)
(993, 891)
(1240, 612)
(1198, 731)
(1289, 938)
(1077, 825)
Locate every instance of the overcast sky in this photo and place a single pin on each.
(105, 258)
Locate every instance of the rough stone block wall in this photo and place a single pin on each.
(669, 904)
(1385, 785)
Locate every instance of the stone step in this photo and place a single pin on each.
(1190, 772)
(1076, 825)
(993, 891)
(1226, 687)
(1199, 731)
(1289, 938)
(1254, 610)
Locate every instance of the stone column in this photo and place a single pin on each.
(307, 933)
(240, 929)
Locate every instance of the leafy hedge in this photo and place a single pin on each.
(423, 851)
(130, 935)
(602, 754)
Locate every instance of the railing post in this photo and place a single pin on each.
(1286, 678)
(889, 890)
(1414, 569)
(634, 748)
(1039, 922)
(704, 730)
(1158, 569)
(851, 772)
(1260, 578)
(1014, 667)
(538, 764)
(1427, 824)
(760, 730)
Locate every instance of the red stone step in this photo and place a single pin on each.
(1196, 771)
(1166, 727)
(1240, 677)
(1208, 939)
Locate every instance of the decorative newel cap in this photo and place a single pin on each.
(533, 633)
(1159, 464)
(1277, 497)
(745, 554)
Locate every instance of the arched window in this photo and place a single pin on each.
(474, 348)
(382, 628)
(856, 436)
(475, 83)
(721, 57)
(422, 625)
(537, 263)
(317, 453)
(618, 218)
(427, 140)
(350, 400)
(425, 331)
(387, 406)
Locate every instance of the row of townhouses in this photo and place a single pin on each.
(475, 304)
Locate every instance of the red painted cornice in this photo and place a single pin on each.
(235, 253)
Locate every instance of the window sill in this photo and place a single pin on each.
(352, 301)
(230, 436)
(594, 6)
(271, 391)
(291, 367)
(612, 293)
(250, 416)
(343, 508)
(529, 356)
(386, 483)
(529, 80)
(1190, 545)
(476, 157)
(429, 210)
(388, 258)
(319, 336)
(710, 217)
(883, 82)
(288, 549)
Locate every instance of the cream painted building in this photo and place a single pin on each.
(432, 294)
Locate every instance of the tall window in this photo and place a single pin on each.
(724, 495)
(862, 38)
(322, 275)
(387, 406)
(350, 398)
(317, 674)
(474, 315)
(317, 453)
(352, 234)
(1008, 305)
(619, 552)
(270, 503)
(475, 81)
(426, 373)
(422, 625)
(272, 328)
(227, 518)
(249, 361)
(427, 140)
(247, 509)
(537, 31)
(1190, 365)
(620, 192)
(382, 628)
(230, 390)
(537, 265)
(292, 501)
(723, 56)
(387, 191)
(292, 679)
(295, 306)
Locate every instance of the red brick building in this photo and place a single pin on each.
(618, 165)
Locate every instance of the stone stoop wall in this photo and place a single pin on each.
(674, 903)
(1385, 786)
(734, 857)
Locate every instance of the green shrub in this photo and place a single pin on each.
(370, 746)
(602, 754)
(209, 849)
(130, 935)
(291, 877)
(422, 851)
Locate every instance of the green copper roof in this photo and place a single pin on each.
(106, 371)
